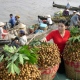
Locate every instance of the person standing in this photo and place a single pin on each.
(75, 19)
(59, 37)
(12, 20)
(68, 5)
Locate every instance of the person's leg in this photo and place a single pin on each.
(61, 67)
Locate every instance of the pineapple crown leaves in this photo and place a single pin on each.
(74, 39)
(18, 56)
(74, 31)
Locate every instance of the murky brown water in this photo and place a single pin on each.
(30, 9)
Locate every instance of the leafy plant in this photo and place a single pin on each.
(31, 53)
(74, 39)
(75, 34)
(35, 43)
(74, 31)
(16, 56)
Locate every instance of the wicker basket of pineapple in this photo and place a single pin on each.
(49, 59)
(72, 55)
(19, 64)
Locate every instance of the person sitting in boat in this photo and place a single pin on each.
(49, 20)
(68, 5)
(17, 19)
(21, 40)
(74, 12)
(75, 19)
(12, 20)
(42, 19)
(66, 12)
(3, 33)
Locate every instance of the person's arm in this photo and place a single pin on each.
(78, 19)
(48, 37)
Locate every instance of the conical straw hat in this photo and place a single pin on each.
(2, 24)
(21, 26)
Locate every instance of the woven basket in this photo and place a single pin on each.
(72, 70)
(49, 73)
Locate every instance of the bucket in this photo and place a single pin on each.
(43, 26)
(72, 69)
(49, 73)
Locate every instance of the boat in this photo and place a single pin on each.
(63, 6)
(2, 41)
(38, 35)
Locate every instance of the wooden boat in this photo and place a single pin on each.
(38, 35)
(63, 6)
(3, 42)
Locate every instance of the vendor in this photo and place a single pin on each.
(60, 37)
(49, 20)
(12, 20)
(17, 17)
(74, 12)
(66, 12)
(46, 20)
(3, 33)
(75, 19)
(21, 40)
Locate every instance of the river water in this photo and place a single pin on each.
(30, 9)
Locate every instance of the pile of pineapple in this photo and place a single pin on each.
(72, 48)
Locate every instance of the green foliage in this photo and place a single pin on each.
(74, 31)
(74, 39)
(31, 53)
(75, 35)
(12, 68)
(16, 56)
(35, 43)
(1, 57)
